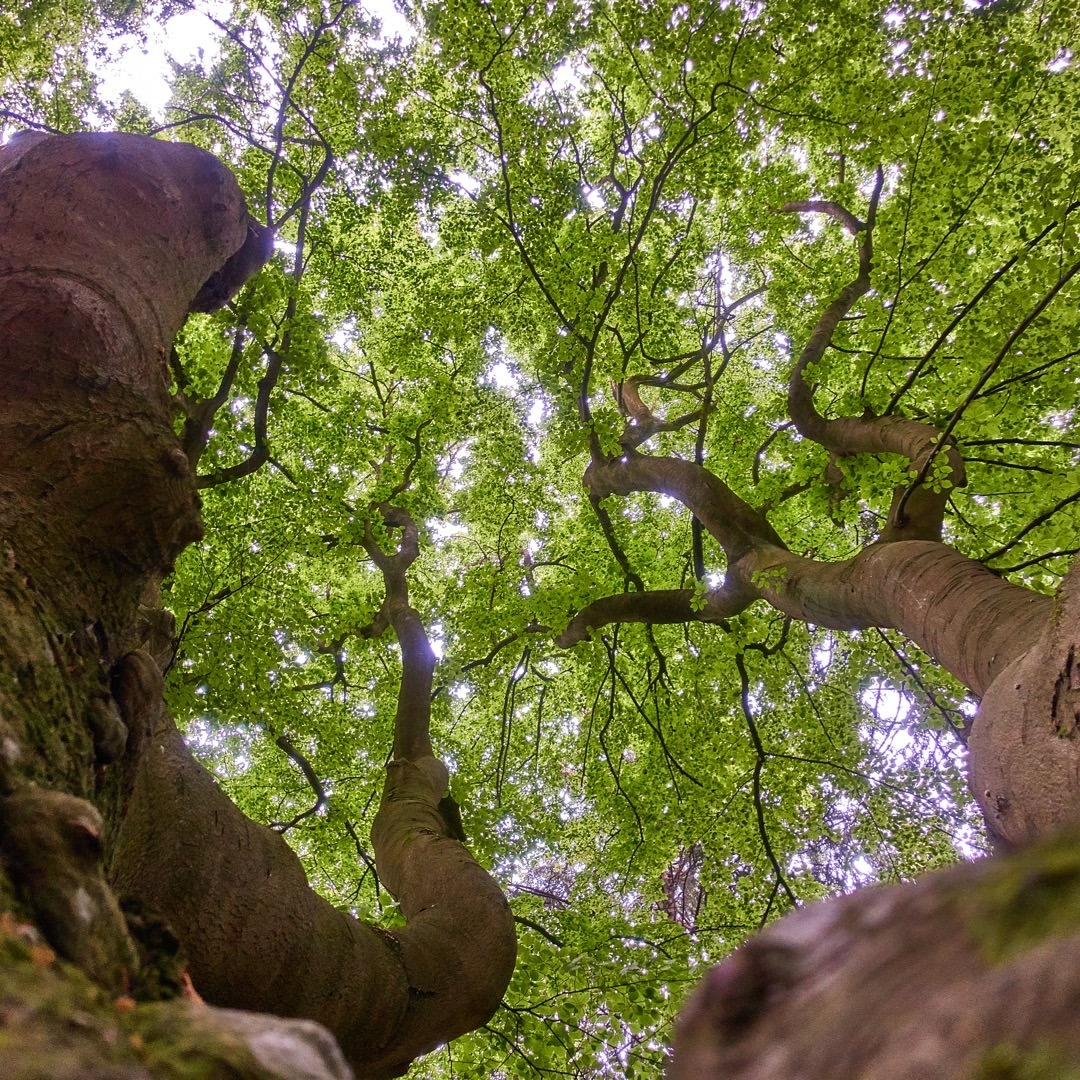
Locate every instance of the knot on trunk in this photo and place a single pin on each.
(51, 846)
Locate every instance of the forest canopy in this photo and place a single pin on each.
(524, 254)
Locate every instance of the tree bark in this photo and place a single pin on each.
(973, 972)
(968, 973)
(108, 242)
(259, 938)
(1025, 745)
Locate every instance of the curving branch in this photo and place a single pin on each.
(970, 620)
(919, 514)
(199, 414)
(759, 764)
(663, 606)
(258, 937)
(642, 424)
(735, 524)
(284, 743)
(261, 452)
(276, 353)
(833, 209)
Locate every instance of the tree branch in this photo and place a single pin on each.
(284, 743)
(759, 811)
(412, 736)
(922, 518)
(659, 606)
(970, 620)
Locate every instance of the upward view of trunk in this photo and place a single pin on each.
(968, 973)
(108, 242)
(1011, 647)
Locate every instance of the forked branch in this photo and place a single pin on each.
(919, 514)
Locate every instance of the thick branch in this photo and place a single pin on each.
(259, 938)
(919, 516)
(1025, 750)
(657, 606)
(833, 209)
(736, 526)
(387, 996)
(970, 620)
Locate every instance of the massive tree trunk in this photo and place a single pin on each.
(108, 243)
(970, 973)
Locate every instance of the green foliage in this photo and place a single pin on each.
(481, 230)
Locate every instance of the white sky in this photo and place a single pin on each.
(142, 68)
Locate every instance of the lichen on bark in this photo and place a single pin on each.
(953, 976)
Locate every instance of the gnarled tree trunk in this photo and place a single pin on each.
(106, 243)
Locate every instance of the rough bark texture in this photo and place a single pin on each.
(968, 974)
(107, 243)
(57, 1025)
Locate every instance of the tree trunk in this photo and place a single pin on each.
(971, 973)
(108, 242)
(968, 974)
